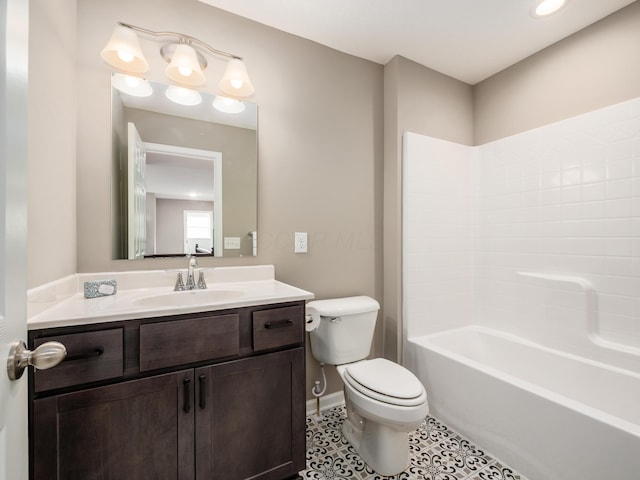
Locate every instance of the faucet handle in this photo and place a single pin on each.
(201, 283)
(179, 283)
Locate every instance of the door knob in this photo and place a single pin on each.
(47, 355)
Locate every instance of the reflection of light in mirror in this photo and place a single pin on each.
(138, 87)
(228, 105)
(158, 102)
(183, 96)
(193, 194)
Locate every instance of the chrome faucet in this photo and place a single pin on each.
(191, 282)
(191, 277)
(179, 283)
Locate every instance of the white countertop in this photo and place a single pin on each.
(147, 294)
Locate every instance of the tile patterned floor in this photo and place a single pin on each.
(437, 453)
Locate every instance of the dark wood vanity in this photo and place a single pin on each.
(212, 395)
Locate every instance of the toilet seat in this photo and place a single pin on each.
(385, 381)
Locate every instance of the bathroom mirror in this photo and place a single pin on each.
(184, 178)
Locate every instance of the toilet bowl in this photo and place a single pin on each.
(384, 400)
(378, 420)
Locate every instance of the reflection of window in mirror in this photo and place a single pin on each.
(198, 231)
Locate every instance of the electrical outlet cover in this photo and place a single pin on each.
(300, 242)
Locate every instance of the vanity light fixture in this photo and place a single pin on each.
(548, 7)
(184, 69)
(185, 63)
(123, 52)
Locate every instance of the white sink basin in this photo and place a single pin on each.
(189, 297)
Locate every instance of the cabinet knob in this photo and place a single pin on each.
(47, 355)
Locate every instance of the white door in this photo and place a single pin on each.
(137, 197)
(13, 231)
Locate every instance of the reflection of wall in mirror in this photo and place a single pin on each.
(239, 169)
(169, 222)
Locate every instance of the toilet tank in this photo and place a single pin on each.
(345, 331)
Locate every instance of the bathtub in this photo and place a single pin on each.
(548, 414)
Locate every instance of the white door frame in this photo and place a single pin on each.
(14, 45)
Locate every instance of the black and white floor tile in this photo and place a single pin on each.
(437, 453)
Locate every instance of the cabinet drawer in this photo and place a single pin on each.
(91, 356)
(166, 344)
(278, 327)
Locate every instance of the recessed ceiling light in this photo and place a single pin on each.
(547, 7)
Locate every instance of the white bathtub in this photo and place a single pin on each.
(548, 414)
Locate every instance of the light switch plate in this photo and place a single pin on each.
(232, 243)
(300, 242)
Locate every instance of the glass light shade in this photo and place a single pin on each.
(183, 96)
(123, 52)
(236, 82)
(184, 69)
(135, 86)
(547, 7)
(228, 105)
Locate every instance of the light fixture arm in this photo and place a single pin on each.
(182, 38)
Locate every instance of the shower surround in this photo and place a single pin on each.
(536, 236)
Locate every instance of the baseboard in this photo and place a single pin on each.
(326, 401)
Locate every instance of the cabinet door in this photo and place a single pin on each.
(142, 429)
(250, 418)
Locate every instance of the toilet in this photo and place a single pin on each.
(384, 400)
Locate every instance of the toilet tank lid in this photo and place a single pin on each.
(337, 307)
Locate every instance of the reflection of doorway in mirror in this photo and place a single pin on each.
(180, 179)
(198, 231)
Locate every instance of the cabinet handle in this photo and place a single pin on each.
(278, 324)
(203, 393)
(186, 386)
(96, 352)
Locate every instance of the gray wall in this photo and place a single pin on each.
(320, 147)
(595, 67)
(419, 100)
(321, 163)
(52, 142)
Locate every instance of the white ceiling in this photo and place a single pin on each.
(467, 39)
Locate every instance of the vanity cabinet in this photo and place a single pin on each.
(129, 430)
(217, 395)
